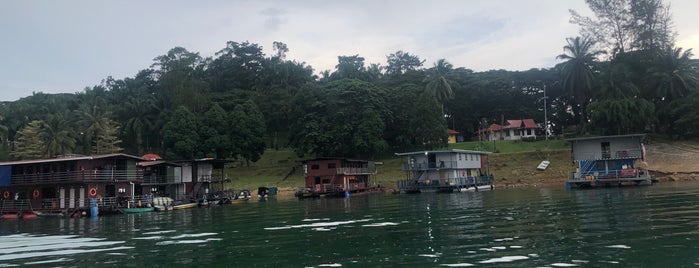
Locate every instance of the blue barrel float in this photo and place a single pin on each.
(94, 210)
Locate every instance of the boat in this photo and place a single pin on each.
(136, 210)
(185, 205)
(163, 203)
(19, 215)
(163, 207)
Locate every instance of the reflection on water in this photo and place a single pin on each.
(530, 227)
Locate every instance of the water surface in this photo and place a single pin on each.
(525, 227)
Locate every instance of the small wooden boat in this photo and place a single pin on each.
(184, 206)
(136, 210)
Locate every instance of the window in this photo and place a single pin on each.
(331, 165)
(459, 157)
(315, 166)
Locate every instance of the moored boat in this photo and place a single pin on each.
(185, 206)
(136, 210)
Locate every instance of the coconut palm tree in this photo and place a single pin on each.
(57, 136)
(438, 83)
(673, 75)
(578, 72)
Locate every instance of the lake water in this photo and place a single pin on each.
(654, 226)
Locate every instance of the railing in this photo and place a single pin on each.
(619, 154)
(615, 174)
(76, 176)
(431, 165)
(350, 171)
(159, 179)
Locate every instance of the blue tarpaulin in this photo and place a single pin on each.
(5, 176)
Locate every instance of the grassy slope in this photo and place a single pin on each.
(515, 163)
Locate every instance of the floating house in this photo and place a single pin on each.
(65, 184)
(607, 161)
(202, 177)
(336, 176)
(445, 171)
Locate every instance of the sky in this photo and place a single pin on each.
(64, 46)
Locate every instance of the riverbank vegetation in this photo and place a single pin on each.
(243, 104)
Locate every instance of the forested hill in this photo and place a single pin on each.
(241, 101)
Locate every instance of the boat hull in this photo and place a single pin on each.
(136, 210)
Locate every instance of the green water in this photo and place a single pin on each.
(656, 226)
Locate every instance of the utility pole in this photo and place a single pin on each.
(546, 120)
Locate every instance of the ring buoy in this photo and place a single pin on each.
(36, 193)
(6, 194)
(93, 191)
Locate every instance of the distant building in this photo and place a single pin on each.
(452, 136)
(512, 130)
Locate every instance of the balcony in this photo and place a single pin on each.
(356, 171)
(430, 166)
(95, 176)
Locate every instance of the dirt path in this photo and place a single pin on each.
(679, 157)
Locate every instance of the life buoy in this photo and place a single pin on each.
(6, 194)
(36, 193)
(93, 191)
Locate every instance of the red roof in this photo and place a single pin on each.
(151, 157)
(452, 132)
(511, 124)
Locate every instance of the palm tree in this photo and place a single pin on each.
(91, 120)
(439, 84)
(673, 76)
(578, 72)
(57, 136)
(141, 117)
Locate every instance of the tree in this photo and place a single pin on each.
(106, 140)
(214, 133)
(578, 73)
(29, 144)
(180, 138)
(402, 62)
(673, 75)
(57, 136)
(238, 66)
(342, 118)
(624, 25)
(247, 131)
(91, 119)
(438, 84)
(181, 80)
(349, 67)
(141, 114)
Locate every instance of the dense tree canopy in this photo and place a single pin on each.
(241, 101)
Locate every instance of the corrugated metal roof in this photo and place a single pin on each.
(443, 151)
(72, 158)
(606, 137)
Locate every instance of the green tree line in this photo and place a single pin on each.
(622, 75)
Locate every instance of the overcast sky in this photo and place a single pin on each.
(64, 46)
